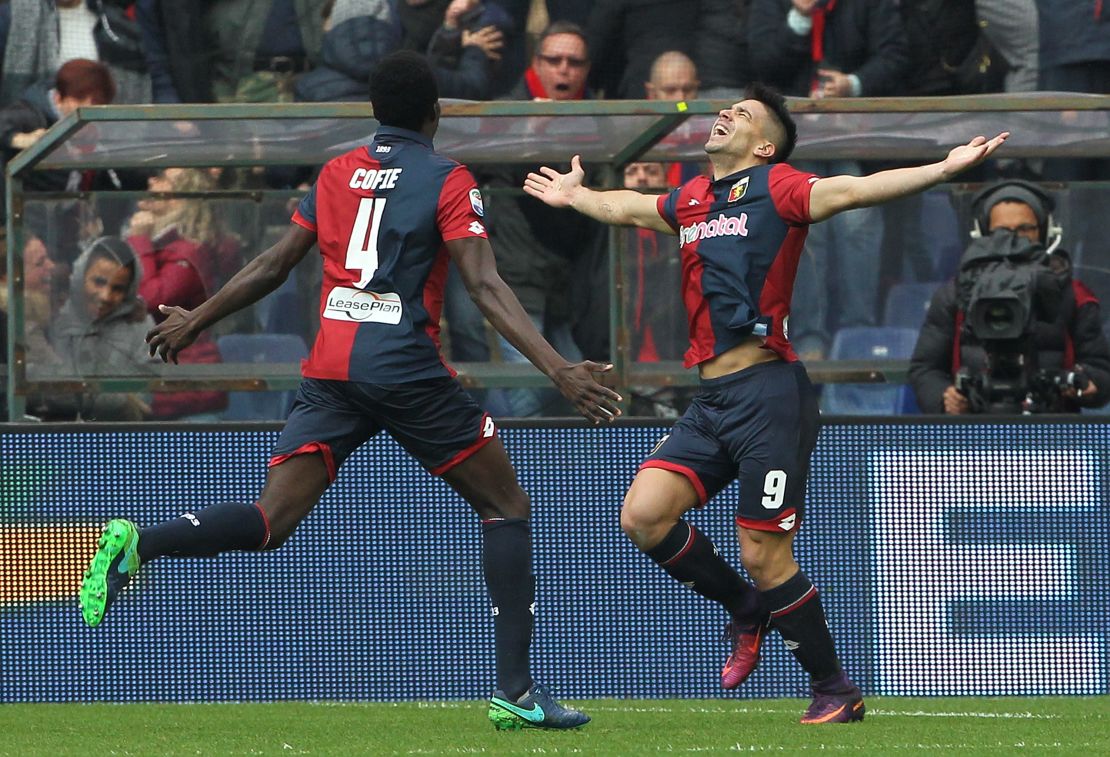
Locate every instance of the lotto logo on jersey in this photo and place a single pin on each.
(369, 178)
(721, 226)
(346, 304)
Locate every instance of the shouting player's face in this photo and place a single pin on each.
(739, 131)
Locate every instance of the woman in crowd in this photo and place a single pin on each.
(186, 256)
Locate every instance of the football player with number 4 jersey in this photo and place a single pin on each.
(756, 418)
(387, 217)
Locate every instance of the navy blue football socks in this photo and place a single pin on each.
(797, 613)
(507, 564)
(206, 533)
(689, 557)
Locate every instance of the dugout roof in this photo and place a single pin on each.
(608, 132)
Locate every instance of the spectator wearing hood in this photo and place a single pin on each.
(101, 331)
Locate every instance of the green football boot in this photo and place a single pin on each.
(535, 709)
(115, 563)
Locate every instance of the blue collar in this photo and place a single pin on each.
(396, 132)
(737, 174)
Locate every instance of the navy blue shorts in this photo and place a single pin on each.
(435, 420)
(758, 425)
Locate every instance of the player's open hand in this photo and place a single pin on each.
(972, 154)
(554, 188)
(171, 335)
(577, 383)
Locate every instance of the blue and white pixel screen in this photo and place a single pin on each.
(951, 558)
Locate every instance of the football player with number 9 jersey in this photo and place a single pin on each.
(755, 419)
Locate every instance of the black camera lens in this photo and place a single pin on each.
(999, 318)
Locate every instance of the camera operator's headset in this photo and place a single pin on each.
(1016, 190)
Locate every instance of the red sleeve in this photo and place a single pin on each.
(790, 190)
(460, 210)
(1083, 294)
(173, 283)
(305, 214)
(301, 221)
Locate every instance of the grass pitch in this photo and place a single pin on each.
(896, 726)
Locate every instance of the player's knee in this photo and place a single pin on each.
(518, 506)
(514, 503)
(641, 523)
(282, 518)
(277, 540)
(281, 528)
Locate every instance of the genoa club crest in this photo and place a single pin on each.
(738, 190)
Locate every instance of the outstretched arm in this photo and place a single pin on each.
(620, 207)
(474, 258)
(836, 193)
(258, 278)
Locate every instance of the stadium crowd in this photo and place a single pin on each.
(58, 55)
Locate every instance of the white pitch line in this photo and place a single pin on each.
(725, 710)
(1003, 715)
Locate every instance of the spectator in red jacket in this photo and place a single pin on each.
(186, 257)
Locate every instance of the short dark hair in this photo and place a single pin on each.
(81, 78)
(562, 27)
(403, 90)
(776, 107)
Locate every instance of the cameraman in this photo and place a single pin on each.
(1071, 347)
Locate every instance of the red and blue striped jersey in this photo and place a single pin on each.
(382, 214)
(741, 238)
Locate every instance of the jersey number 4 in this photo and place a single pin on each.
(362, 248)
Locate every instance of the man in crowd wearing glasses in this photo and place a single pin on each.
(540, 250)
